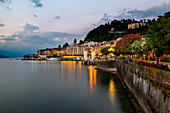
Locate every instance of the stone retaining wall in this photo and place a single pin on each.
(150, 86)
(107, 64)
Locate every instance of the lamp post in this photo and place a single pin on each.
(111, 50)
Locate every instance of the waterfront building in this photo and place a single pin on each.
(41, 52)
(92, 50)
(75, 49)
(42, 56)
(47, 52)
(59, 51)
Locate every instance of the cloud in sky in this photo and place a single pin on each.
(57, 17)
(8, 38)
(29, 27)
(106, 18)
(8, 3)
(2, 25)
(37, 3)
(2, 1)
(128, 13)
(35, 16)
(31, 39)
(148, 13)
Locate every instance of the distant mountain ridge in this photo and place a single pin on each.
(3, 56)
(10, 54)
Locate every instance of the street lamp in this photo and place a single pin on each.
(111, 50)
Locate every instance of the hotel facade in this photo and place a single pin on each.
(89, 50)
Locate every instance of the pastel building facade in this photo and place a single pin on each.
(89, 50)
(92, 50)
(75, 49)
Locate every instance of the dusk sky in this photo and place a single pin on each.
(29, 25)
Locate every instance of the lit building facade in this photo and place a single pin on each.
(92, 50)
(47, 52)
(59, 51)
(75, 50)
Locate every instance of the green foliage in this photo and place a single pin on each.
(139, 48)
(105, 50)
(36, 56)
(137, 70)
(55, 56)
(165, 59)
(121, 62)
(158, 35)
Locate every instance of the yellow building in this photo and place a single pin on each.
(137, 25)
(46, 51)
(97, 50)
(59, 51)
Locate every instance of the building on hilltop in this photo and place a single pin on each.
(137, 25)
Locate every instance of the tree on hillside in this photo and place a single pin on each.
(65, 45)
(158, 35)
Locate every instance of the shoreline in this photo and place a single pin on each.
(130, 94)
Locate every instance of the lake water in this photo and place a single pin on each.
(59, 87)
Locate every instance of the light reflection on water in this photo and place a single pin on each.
(92, 77)
(59, 87)
(112, 91)
(93, 83)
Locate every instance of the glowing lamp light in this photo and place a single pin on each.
(111, 49)
(100, 54)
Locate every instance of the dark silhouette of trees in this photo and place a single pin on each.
(65, 45)
(81, 42)
(75, 41)
(59, 46)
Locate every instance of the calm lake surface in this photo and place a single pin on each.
(59, 87)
